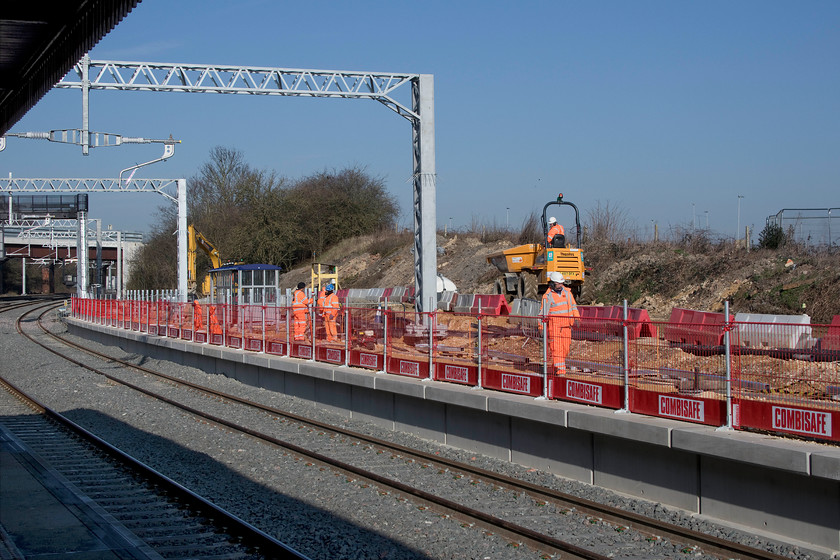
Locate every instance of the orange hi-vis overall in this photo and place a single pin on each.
(300, 314)
(330, 308)
(561, 311)
(215, 327)
(197, 317)
(556, 229)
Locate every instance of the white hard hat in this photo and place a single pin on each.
(552, 220)
(556, 277)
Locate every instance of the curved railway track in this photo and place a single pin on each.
(620, 520)
(139, 503)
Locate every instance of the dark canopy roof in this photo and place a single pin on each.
(40, 41)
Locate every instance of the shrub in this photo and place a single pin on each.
(772, 237)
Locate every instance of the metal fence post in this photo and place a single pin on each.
(727, 326)
(431, 323)
(479, 348)
(346, 336)
(312, 318)
(288, 325)
(262, 308)
(385, 338)
(625, 365)
(544, 321)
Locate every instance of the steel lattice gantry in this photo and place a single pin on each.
(159, 186)
(378, 86)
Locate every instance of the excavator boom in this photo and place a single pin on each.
(196, 239)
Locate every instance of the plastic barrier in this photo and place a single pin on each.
(597, 322)
(409, 295)
(761, 331)
(445, 300)
(831, 341)
(464, 303)
(397, 294)
(697, 328)
(495, 304)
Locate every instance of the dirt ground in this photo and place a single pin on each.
(655, 277)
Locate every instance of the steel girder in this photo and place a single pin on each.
(59, 185)
(249, 80)
(159, 186)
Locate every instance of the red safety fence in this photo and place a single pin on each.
(782, 377)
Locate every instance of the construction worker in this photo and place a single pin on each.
(300, 312)
(556, 234)
(197, 316)
(319, 305)
(215, 327)
(330, 308)
(561, 312)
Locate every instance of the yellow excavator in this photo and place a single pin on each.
(196, 239)
(525, 268)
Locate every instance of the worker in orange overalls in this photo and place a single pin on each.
(319, 305)
(330, 308)
(215, 327)
(300, 312)
(556, 234)
(560, 310)
(197, 318)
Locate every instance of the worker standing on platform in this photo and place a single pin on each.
(300, 312)
(197, 316)
(560, 310)
(331, 309)
(556, 234)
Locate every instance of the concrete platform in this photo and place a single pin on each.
(43, 516)
(777, 487)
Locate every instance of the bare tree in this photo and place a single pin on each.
(607, 223)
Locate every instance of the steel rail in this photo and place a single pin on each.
(235, 526)
(509, 530)
(645, 525)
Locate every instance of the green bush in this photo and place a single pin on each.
(772, 237)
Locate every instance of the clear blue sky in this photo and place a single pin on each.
(649, 106)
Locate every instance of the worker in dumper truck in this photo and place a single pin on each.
(560, 311)
(331, 308)
(556, 234)
(300, 312)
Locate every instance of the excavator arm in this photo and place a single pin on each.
(196, 239)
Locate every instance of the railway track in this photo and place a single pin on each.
(331, 452)
(134, 504)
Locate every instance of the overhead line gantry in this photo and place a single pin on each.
(289, 82)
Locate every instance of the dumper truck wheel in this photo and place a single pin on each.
(528, 286)
(501, 288)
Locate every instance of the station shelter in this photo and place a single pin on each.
(236, 284)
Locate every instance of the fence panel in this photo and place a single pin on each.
(512, 354)
(785, 372)
(404, 357)
(675, 379)
(784, 382)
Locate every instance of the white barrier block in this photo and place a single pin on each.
(757, 330)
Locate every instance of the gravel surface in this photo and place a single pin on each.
(314, 509)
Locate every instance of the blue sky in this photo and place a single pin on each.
(665, 110)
